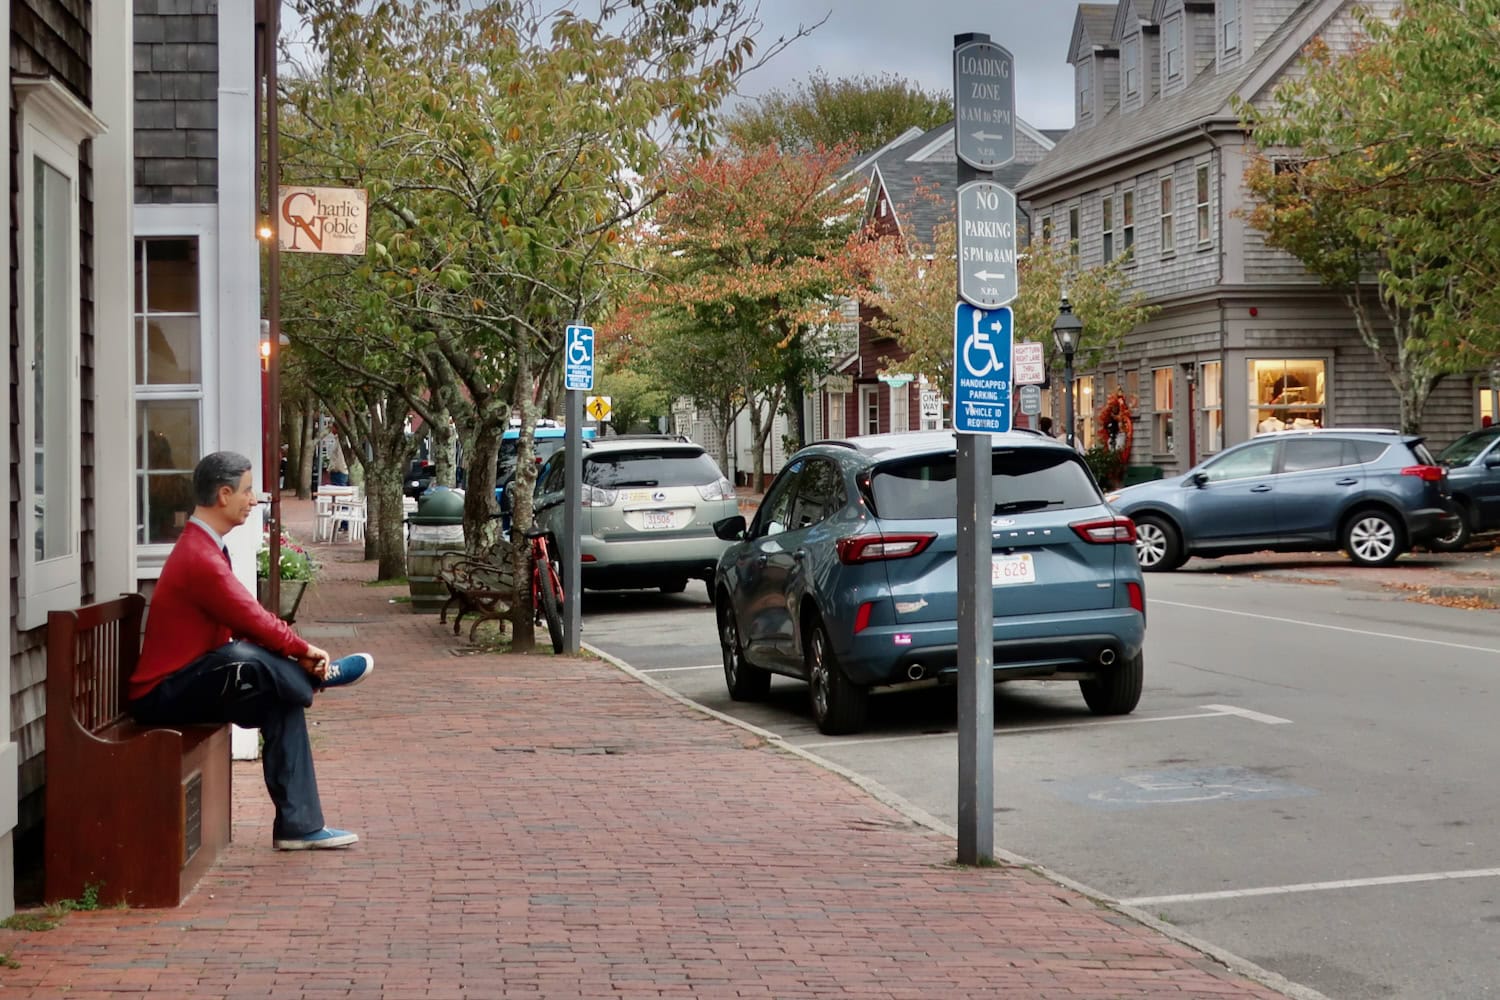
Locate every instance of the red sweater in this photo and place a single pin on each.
(198, 606)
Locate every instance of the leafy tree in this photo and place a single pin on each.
(753, 258)
(634, 398)
(863, 111)
(1379, 173)
(914, 290)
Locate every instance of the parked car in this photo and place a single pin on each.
(1373, 493)
(649, 507)
(419, 476)
(847, 577)
(1473, 464)
(547, 439)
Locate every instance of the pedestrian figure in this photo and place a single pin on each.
(212, 654)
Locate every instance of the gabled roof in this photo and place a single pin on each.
(1129, 13)
(1093, 28)
(1208, 97)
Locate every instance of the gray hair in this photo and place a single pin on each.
(222, 468)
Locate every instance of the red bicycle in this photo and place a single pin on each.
(546, 588)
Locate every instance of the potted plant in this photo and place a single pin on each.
(297, 572)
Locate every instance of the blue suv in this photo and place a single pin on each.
(847, 577)
(1373, 493)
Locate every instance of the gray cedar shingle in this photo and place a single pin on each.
(1207, 97)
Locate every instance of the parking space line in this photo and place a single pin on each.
(1018, 731)
(1245, 713)
(1330, 628)
(1279, 890)
(676, 670)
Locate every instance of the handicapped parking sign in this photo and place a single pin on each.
(982, 362)
(579, 358)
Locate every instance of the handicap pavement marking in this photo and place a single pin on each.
(1180, 786)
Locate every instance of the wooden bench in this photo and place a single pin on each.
(484, 587)
(138, 812)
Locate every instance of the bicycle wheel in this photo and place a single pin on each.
(550, 593)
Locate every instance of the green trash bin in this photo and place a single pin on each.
(436, 529)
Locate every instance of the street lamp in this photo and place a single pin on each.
(1066, 330)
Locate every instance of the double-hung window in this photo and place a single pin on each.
(1230, 18)
(1205, 218)
(1171, 44)
(1107, 209)
(1085, 88)
(1127, 221)
(52, 125)
(1073, 234)
(1162, 438)
(1168, 233)
(1131, 61)
(1211, 378)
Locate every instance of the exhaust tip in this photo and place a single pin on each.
(1106, 656)
(915, 672)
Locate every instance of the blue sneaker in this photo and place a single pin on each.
(321, 840)
(347, 670)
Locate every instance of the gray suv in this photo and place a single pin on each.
(649, 507)
(1372, 493)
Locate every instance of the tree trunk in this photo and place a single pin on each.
(444, 436)
(383, 493)
(306, 450)
(757, 446)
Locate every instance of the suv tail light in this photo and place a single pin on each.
(721, 490)
(593, 496)
(1107, 531)
(1426, 473)
(873, 548)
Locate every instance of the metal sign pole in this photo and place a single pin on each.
(572, 508)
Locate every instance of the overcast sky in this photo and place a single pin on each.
(914, 39)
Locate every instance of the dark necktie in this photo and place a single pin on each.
(229, 562)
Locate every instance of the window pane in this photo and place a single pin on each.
(1303, 454)
(170, 352)
(171, 275)
(51, 373)
(1286, 395)
(168, 324)
(169, 446)
(1247, 462)
(1213, 383)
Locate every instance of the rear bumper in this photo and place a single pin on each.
(1428, 523)
(1030, 647)
(648, 562)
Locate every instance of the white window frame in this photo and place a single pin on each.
(1046, 231)
(1168, 234)
(1127, 222)
(1171, 46)
(1107, 223)
(869, 399)
(1163, 431)
(1211, 394)
(1130, 67)
(1203, 181)
(1085, 88)
(52, 124)
(1073, 228)
(836, 403)
(1230, 21)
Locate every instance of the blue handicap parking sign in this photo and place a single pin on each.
(578, 362)
(981, 369)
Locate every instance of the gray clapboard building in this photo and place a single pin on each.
(1245, 341)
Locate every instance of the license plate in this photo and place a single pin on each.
(658, 519)
(1019, 568)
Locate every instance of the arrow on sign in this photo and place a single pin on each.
(987, 136)
(989, 275)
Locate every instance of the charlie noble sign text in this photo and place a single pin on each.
(321, 220)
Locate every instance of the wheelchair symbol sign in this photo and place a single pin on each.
(982, 351)
(578, 367)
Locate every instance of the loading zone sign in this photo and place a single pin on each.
(982, 363)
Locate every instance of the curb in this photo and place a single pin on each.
(921, 817)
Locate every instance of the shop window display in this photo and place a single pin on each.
(1287, 395)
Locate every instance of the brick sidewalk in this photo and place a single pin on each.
(551, 828)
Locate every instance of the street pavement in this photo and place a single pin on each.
(539, 826)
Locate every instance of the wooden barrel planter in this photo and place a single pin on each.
(425, 545)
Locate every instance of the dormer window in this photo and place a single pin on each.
(1085, 88)
(1231, 21)
(1171, 42)
(1131, 60)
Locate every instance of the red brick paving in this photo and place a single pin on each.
(542, 827)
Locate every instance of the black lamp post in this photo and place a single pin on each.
(1066, 330)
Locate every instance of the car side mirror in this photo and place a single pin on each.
(1200, 479)
(1492, 461)
(730, 529)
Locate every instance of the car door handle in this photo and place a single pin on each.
(1346, 482)
(1262, 488)
(800, 554)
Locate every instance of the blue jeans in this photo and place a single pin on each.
(241, 683)
(338, 479)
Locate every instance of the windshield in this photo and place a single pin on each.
(1024, 479)
(544, 449)
(651, 467)
(1467, 448)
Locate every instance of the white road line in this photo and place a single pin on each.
(1279, 890)
(1245, 713)
(1018, 731)
(675, 670)
(1331, 628)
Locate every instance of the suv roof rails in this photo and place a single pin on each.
(664, 438)
(839, 442)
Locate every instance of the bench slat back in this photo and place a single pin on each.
(102, 642)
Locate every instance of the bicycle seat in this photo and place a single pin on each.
(536, 533)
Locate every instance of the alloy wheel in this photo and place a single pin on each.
(1372, 539)
(729, 643)
(1150, 544)
(817, 677)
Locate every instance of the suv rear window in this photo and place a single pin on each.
(1024, 479)
(651, 467)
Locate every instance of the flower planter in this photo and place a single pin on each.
(291, 597)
